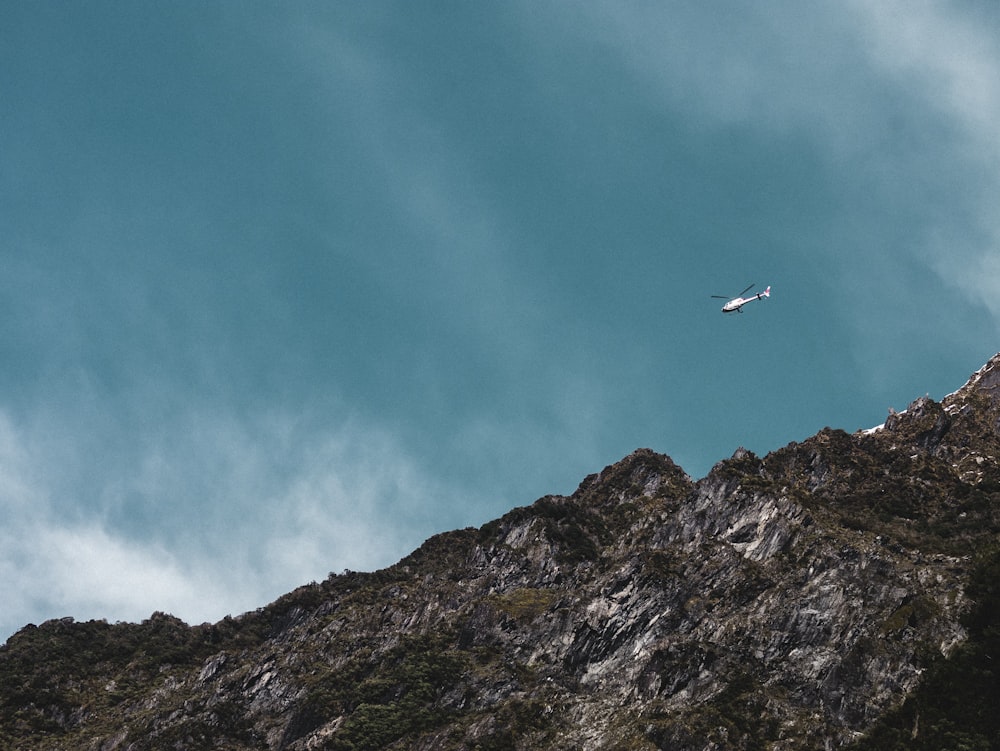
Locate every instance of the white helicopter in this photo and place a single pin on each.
(736, 304)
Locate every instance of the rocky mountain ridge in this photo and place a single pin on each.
(809, 599)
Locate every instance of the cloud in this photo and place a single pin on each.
(947, 56)
(746, 65)
(212, 516)
(60, 566)
(79, 569)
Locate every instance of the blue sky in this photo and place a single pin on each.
(287, 288)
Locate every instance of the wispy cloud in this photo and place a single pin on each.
(949, 57)
(946, 53)
(268, 504)
(456, 249)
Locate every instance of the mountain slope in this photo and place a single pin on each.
(808, 599)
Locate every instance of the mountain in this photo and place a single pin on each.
(840, 592)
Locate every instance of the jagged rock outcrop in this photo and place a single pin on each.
(792, 601)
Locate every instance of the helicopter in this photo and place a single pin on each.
(736, 304)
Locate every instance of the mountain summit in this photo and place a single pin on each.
(839, 592)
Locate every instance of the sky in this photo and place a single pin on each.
(288, 288)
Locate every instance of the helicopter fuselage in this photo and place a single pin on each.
(735, 305)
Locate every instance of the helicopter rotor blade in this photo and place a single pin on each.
(744, 291)
(722, 297)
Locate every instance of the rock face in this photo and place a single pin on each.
(794, 601)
